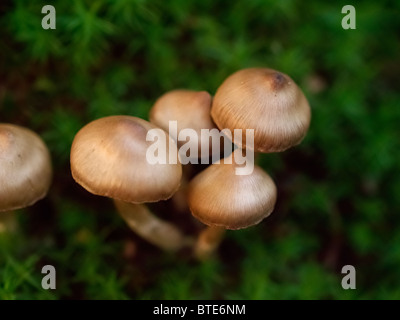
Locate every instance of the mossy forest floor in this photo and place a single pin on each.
(338, 192)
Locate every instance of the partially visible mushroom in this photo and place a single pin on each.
(191, 111)
(220, 198)
(108, 158)
(25, 171)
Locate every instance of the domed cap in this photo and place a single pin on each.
(267, 101)
(25, 167)
(219, 197)
(191, 109)
(108, 158)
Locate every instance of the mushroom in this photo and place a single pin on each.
(221, 199)
(191, 111)
(25, 171)
(109, 158)
(267, 101)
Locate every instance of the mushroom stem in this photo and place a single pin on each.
(179, 199)
(156, 231)
(8, 222)
(208, 241)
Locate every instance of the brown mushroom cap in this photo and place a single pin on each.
(191, 109)
(108, 158)
(219, 197)
(267, 101)
(25, 167)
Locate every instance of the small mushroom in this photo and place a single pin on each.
(191, 110)
(267, 101)
(220, 198)
(25, 171)
(108, 158)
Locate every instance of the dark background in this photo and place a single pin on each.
(338, 192)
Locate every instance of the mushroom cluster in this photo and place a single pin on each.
(270, 103)
(108, 157)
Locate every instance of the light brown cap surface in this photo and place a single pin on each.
(219, 197)
(25, 167)
(267, 101)
(108, 158)
(191, 109)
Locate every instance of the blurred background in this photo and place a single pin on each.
(338, 192)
